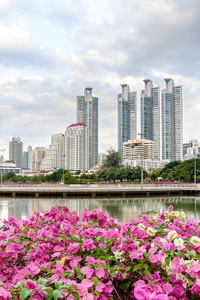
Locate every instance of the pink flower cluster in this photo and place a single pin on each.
(57, 255)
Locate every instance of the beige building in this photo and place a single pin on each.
(54, 157)
(37, 156)
(138, 149)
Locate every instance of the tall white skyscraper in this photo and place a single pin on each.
(77, 147)
(87, 113)
(150, 115)
(16, 152)
(172, 121)
(127, 117)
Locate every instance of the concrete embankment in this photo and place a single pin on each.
(98, 190)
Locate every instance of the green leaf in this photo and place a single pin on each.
(42, 281)
(41, 288)
(75, 295)
(197, 256)
(167, 260)
(124, 275)
(58, 284)
(113, 258)
(78, 273)
(124, 285)
(49, 295)
(50, 236)
(139, 266)
(56, 294)
(128, 268)
(13, 294)
(21, 283)
(95, 280)
(25, 293)
(67, 274)
(34, 245)
(146, 272)
(43, 223)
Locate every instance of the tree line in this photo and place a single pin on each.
(112, 170)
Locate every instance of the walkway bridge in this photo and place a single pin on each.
(98, 190)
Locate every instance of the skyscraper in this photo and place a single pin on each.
(54, 156)
(150, 115)
(16, 151)
(127, 105)
(172, 127)
(76, 147)
(27, 158)
(87, 113)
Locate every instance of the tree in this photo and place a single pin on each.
(112, 160)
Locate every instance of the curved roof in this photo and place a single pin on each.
(77, 124)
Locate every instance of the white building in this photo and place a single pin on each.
(138, 149)
(148, 164)
(192, 150)
(76, 147)
(54, 157)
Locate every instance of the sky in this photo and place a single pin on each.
(50, 50)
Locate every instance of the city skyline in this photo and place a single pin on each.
(51, 50)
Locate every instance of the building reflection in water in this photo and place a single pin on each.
(119, 208)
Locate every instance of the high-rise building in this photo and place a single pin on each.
(37, 156)
(150, 115)
(172, 123)
(27, 158)
(87, 113)
(54, 156)
(16, 152)
(77, 147)
(127, 105)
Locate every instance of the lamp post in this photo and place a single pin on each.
(195, 170)
(63, 169)
(141, 161)
(1, 164)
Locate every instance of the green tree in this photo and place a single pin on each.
(112, 160)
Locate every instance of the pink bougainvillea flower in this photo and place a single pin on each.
(137, 254)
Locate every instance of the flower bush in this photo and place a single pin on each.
(57, 255)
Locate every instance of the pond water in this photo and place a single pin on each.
(122, 209)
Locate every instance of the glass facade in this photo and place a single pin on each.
(150, 115)
(172, 141)
(127, 105)
(87, 113)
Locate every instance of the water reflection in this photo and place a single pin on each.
(118, 208)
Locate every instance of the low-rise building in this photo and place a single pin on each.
(138, 149)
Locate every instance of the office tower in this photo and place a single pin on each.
(77, 147)
(172, 141)
(37, 156)
(127, 105)
(87, 113)
(54, 156)
(16, 152)
(27, 158)
(138, 149)
(150, 115)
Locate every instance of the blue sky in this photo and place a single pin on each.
(50, 50)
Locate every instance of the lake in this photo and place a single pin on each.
(122, 209)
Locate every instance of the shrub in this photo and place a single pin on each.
(57, 255)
